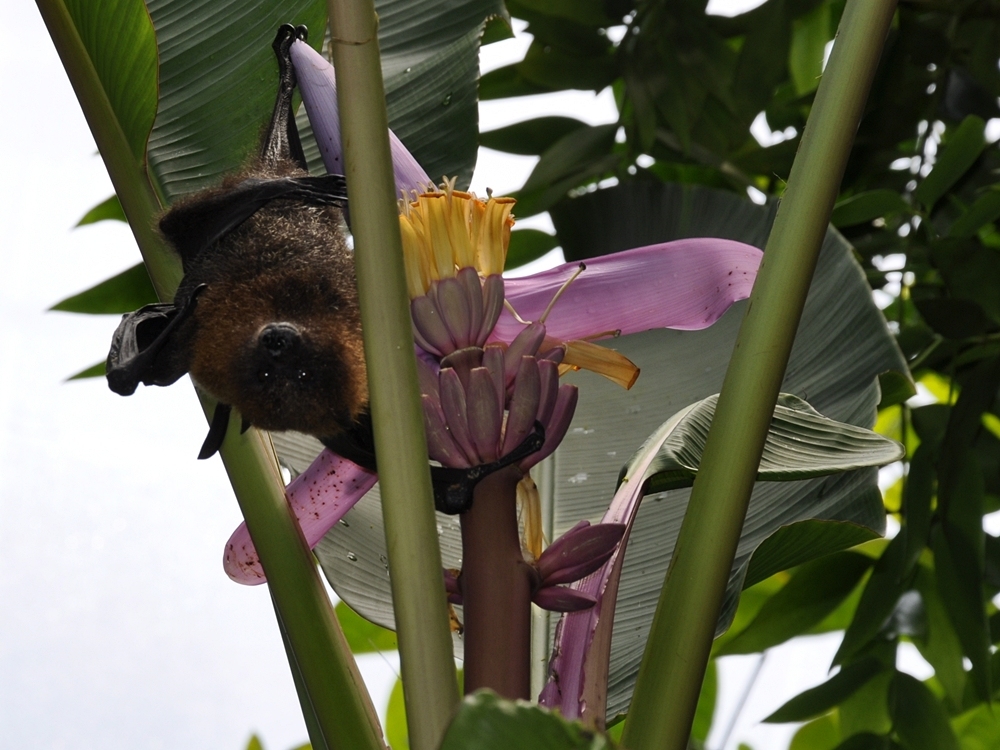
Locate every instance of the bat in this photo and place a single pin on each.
(266, 317)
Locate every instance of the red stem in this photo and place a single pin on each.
(496, 590)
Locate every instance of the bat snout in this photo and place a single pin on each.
(276, 340)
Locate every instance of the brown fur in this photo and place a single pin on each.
(289, 264)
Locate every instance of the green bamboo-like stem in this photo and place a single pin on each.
(680, 640)
(496, 590)
(341, 707)
(317, 740)
(428, 669)
(338, 698)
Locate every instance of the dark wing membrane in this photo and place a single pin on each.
(356, 444)
(195, 226)
(216, 431)
(146, 347)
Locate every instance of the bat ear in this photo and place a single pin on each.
(150, 346)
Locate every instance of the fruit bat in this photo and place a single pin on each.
(266, 318)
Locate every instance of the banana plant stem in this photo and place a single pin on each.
(673, 665)
(430, 687)
(496, 591)
(338, 700)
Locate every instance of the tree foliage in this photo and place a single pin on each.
(920, 203)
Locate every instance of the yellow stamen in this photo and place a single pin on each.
(415, 261)
(529, 504)
(495, 235)
(580, 269)
(447, 229)
(512, 311)
(607, 362)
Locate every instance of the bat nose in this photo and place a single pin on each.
(278, 338)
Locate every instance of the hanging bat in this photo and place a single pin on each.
(266, 318)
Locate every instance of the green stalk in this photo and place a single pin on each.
(680, 640)
(340, 703)
(317, 741)
(338, 699)
(422, 627)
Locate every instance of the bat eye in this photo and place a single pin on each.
(277, 338)
(302, 375)
(264, 375)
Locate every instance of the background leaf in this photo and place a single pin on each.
(123, 293)
(486, 722)
(964, 147)
(918, 717)
(841, 346)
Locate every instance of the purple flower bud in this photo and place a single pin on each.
(453, 307)
(493, 361)
(429, 331)
(469, 279)
(485, 420)
(451, 586)
(523, 407)
(427, 376)
(463, 361)
(562, 599)
(441, 446)
(456, 414)
(492, 306)
(579, 552)
(457, 312)
(548, 373)
(318, 86)
(526, 343)
(556, 427)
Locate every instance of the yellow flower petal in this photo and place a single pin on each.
(445, 230)
(583, 355)
(529, 506)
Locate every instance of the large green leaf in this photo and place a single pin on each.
(964, 146)
(363, 636)
(842, 346)
(919, 718)
(217, 84)
(801, 443)
(108, 209)
(815, 590)
(531, 137)
(218, 78)
(487, 722)
(119, 39)
(822, 698)
(800, 542)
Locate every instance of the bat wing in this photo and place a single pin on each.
(147, 347)
(193, 227)
(356, 444)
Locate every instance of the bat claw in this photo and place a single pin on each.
(453, 488)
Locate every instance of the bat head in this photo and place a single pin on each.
(286, 352)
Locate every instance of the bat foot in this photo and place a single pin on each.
(454, 488)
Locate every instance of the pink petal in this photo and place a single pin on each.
(579, 552)
(582, 647)
(318, 86)
(319, 497)
(686, 284)
(563, 599)
(556, 427)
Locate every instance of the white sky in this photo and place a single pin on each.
(118, 628)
